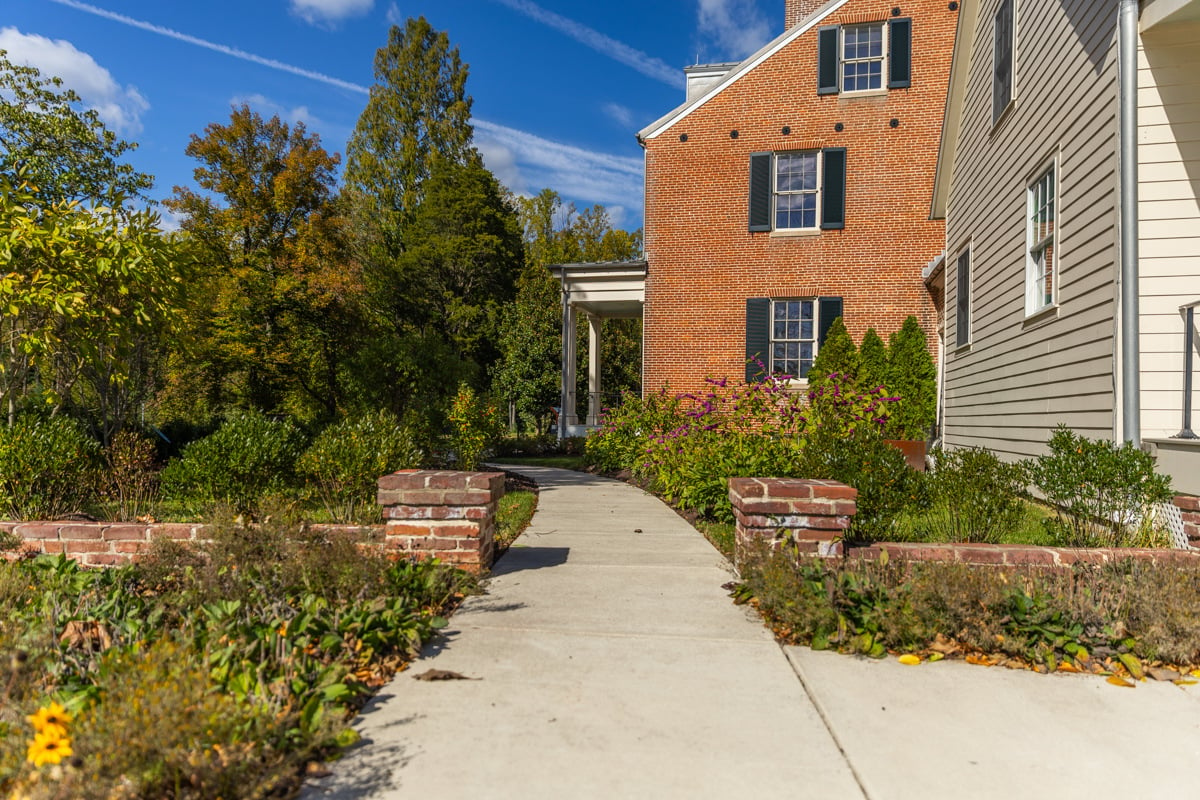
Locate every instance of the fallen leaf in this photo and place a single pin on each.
(1117, 680)
(1067, 666)
(909, 659)
(979, 660)
(314, 769)
(443, 675)
(1185, 682)
(1163, 674)
(934, 657)
(1132, 664)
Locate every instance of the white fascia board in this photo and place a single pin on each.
(956, 95)
(771, 48)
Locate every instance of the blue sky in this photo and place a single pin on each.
(560, 87)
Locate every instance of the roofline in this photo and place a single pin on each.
(769, 49)
(960, 68)
(602, 266)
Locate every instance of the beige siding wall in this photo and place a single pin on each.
(1023, 375)
(1169, 216)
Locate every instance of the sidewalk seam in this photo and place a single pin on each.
(825, 720)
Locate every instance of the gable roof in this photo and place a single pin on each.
(956, 95)
(771, 48)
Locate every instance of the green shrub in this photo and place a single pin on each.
(912, 376)
(47, 468)
(872, 361)
(475, 424)
(978, 497)
(247, 457)
(130, 480)
(836, 356)
(1103, 492)
(860, 458)
(346, 460)
(621, 441)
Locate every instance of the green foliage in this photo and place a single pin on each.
(62, 149)
(47, 468)
(247, 457)
(1132, 611)
(513, 513)
(1103, 492)
(837, 356)
(978, 497)
(130, 478)
(346, 460)
(912, 376)
(476, 425)
(872, 361)
(623, 439)
(860, 458)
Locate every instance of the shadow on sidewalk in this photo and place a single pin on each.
(376, 765)
(523, 559)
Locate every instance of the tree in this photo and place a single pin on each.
(89, 289)
(912, 376)
(418, 111)
(872, 361)
(60, 151)
(837, 355)
(282, 311)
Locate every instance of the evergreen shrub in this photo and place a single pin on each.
(47, 468)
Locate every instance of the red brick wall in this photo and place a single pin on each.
(797, 10)
(704, 263)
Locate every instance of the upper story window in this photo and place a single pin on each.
(1003, 57)
(865, 57)
(803, 190)
(796, 190)
(1041, 260)
(862, 57)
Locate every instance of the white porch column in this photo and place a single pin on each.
(567, 415)
(593, 413)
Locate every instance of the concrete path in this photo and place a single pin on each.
(610, 663)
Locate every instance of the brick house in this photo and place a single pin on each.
(795, 187)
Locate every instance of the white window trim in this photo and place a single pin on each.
(771, 340)
(1035, 302)
(884, 66)
(775, 193)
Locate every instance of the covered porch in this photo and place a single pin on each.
(598, 291)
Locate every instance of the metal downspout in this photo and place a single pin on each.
(1127, 47)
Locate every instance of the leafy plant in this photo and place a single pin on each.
(47, 468)
(238, 464)
(475, 426)
(911, 375)
(1103, 492)
(347, 458)
(130, 480)
(978, 497)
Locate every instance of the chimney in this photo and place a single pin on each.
(800, 10)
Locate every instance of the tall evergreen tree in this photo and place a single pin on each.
(837, 356)
(872, 361)
(911, 375)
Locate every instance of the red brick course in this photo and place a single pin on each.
(704, 262)
(812, 514)
(1012, 555)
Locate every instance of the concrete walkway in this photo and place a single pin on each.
(610, 663)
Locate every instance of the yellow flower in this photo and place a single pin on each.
(48, 748)
(51, 719)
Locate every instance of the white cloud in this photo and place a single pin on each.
(329, 12)
(502, 163)
(736, 27)
(619, 114)
(394, 17)
(265, 105)
(618, 51)
(120, 107)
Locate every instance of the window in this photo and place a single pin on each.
(856, 58)
(804, 190)
(783, 335)
(1003, 48)
(962, 319)
(1041, 236)
(793, 337)
(862, 58)
(796, 190)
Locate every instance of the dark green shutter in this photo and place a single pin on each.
(962, 319)
(900, 53)
(758, 337)
(760, 191)
(828, 309)
(827, 60)
(833, 188)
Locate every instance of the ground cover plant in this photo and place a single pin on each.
(199, 673)
(1128, 617)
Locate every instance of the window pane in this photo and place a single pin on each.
(793, 330)
(780, 328)
(780, 311)
(806, 309)
(806, 329)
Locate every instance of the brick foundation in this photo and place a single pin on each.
(447, 515)
(812, 514)
(1189, 509)
(1016, 555)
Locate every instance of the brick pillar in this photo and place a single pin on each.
(799, 10)
(446, 515)
(813, 514)
(1189, 509)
